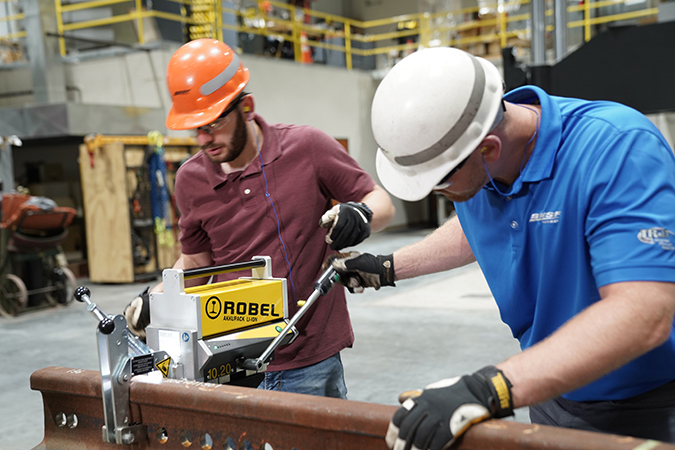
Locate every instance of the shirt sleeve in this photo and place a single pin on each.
(340, 176)
(193, 238)
(631, 210)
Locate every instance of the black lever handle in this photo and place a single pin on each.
(224, 268)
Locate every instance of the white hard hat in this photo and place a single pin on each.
(429, 113)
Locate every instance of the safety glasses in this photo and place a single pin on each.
(445, 182)
(220, 122)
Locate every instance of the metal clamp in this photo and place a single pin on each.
(121, 355)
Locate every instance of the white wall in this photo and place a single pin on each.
(132, 79)
(16, 81)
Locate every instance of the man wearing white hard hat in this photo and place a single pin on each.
(567, 205)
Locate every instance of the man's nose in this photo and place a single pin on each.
(203, 138)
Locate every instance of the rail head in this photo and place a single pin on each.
(180, 414)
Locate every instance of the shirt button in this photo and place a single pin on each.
(508, 199)
(514, 224)
(247, 191)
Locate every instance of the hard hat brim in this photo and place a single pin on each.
(407, 183)
(176, 120)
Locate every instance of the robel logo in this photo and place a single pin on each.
(656, 235)
(213, 308)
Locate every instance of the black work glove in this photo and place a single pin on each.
(137, 314)
(361, 270)
(446, 409)
(349, 224)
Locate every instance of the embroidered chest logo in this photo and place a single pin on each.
(656, 235)
(546, 217)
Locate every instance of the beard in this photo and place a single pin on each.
(236, 147)
(459, 198)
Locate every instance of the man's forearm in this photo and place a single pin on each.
(189, 262)
(630, 320)
(444, 249)
(381, 206)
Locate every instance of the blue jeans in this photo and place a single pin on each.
(648, 416)
(325, 378)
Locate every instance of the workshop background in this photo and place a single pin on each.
(82, 109)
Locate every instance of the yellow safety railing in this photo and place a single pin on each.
(587, 7)
(466, 33)
(304, 28)
(501, 27)
(205, 20)
(9, 40)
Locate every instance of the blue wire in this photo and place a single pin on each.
(267, 194)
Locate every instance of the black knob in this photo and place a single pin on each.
(81, 291)
(106, 326)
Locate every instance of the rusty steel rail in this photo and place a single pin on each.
(182, 414)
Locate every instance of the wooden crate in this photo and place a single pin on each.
(106, 192)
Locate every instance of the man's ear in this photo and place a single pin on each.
(249, 106)
(490, 148)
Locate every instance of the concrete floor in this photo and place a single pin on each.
(423, 330)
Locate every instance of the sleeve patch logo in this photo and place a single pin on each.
(656, 235)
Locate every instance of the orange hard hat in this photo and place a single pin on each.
(203, 78)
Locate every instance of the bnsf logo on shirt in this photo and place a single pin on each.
(546, 217)
(656, 235)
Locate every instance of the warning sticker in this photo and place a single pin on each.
(163, 366)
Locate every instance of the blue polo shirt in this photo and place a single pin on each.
(594, 205)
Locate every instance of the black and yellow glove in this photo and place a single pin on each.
(446, 409)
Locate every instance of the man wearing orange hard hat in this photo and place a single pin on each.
(266, 189)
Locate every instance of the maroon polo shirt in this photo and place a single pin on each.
(230, 216)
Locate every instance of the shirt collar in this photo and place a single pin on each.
(540, 165)
(270, 151)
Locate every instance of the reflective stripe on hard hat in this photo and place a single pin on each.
(456, 131)
(222, 78)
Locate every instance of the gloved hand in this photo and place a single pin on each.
(137, 314)
(447, 408)
(349, 224)
(362, 270)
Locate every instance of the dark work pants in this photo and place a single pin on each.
(649, 416)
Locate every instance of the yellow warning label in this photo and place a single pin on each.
(163, 366)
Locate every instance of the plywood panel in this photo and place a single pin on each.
(106, 212)
(168, 254)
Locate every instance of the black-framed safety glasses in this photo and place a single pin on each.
(221, 120)
(445, 182)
